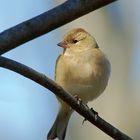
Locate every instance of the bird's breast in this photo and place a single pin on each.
(79, 72)
(82, 75)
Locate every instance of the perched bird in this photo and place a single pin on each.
(82, 70)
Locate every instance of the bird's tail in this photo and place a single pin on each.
(59, 127)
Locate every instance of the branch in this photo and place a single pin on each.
(48, 21)
(60, 92)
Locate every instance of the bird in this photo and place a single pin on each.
(83, 70)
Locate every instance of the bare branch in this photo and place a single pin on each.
(69, 99)
(47, 21)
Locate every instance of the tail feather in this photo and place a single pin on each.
(59, 127)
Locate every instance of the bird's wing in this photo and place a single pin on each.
(58, 58)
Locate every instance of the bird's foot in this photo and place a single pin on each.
(79, 100)
(94, 113)
(84, 121)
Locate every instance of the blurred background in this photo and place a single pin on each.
(28, 110)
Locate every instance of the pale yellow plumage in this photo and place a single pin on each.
(82, 70)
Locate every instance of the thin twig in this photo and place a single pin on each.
(48, 21)
(60, 92)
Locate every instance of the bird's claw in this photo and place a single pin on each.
(84, 121)
(94, 112)
(79, 100)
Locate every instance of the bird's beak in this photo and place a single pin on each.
(63, 44)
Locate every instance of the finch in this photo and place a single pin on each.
(82, 70)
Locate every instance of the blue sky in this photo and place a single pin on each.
(23, 103)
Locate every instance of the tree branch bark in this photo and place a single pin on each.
(48, 21)
(60, 92)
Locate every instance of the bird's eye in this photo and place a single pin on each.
(75, 41)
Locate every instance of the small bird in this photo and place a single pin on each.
(82, 70)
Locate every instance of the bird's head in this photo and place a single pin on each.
(78, 40)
